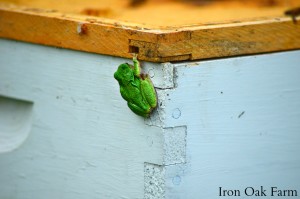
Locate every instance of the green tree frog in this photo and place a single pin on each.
(136, 88)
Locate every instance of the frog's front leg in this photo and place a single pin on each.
(148, 91)
(136, 65)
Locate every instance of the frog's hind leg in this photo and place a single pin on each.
(148, 91)
(137, 110)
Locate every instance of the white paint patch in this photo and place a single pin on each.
(174, 145)
(154, 181)
(79, 28)
(161, 74)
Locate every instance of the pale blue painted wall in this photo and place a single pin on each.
(84, 142)
(243, 125)
(237, 121)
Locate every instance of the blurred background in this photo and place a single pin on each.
(166, 12)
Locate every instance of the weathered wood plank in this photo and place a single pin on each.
(152, 43)
(56, 30)
(236, 39)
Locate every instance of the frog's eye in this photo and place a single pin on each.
(124, 73)
(123, 67)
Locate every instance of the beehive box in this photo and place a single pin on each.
(226, 75)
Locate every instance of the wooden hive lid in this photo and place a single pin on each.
(158, 31)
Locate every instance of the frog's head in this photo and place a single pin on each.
(124, 74)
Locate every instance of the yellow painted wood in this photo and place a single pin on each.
(223, 29)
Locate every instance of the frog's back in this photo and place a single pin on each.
(138, 98)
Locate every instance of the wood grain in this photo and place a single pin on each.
(153, 43)
(236, 39)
